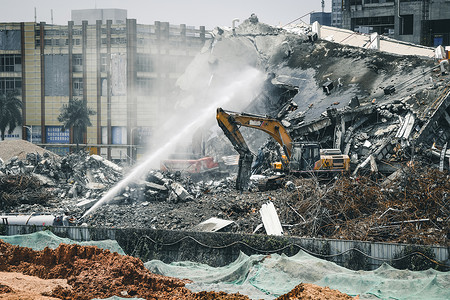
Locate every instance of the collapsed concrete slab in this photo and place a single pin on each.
(397, 104)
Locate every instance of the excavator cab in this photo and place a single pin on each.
(304, 156)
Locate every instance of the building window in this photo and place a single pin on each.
(144, 63)
(78, 86)
(406, 24)
(77, 62)
(146, 85)
(103, 62)
(8, 84)
(10, 63)
(381, 25)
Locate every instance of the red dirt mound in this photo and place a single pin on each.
(94, 273)
(314, 292)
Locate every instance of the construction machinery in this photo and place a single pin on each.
(298, 158)
(186, 163)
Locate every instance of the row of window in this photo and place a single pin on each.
(147, 85)
(8, 84)
(382, 25)
(145, 63)
(64, 33)
(10, 63)
(144, 85)
(115, 41)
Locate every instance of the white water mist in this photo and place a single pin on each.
(249, 79)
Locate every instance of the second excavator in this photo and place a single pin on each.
(299, 157)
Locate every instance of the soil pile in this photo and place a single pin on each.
(313, 292)
(20, 148)
(86, 272)
(92, 272)
(15, 286)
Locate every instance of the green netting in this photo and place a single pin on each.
(41, 239)
(268, 277)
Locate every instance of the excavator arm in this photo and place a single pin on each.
(231, 121)
(231, 130)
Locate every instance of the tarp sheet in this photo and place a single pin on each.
(267, 277)
(41, 239)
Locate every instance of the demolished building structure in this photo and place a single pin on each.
(375, 106)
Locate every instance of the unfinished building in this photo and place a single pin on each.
(422, 22)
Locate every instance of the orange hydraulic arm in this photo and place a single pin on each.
(231, 120)
(230, 123)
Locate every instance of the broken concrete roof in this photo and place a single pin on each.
(389, 45)
(398, 95)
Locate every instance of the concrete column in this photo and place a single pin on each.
(70, 48)
(98, 40)
(108, 88)
(84, 55)
(202, 33)
(24, 95)
(42, 48)
(131, 83)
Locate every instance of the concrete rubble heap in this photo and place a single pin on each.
(366, 103)
(389, 113)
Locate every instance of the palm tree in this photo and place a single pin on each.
(75, 115)
(10, 112)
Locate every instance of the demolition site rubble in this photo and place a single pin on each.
(388, 113)
(410, 208)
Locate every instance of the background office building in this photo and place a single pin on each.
(336, 13)
(324, 18)
(423, 22)
(123, 70)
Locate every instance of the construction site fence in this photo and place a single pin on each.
(219, 249)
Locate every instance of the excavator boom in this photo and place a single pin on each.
(301, 157)
(230, 123)
(269, 125)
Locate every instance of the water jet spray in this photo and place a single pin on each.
(246, 79)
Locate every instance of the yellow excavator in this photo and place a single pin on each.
(300, 157)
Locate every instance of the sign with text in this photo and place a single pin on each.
(54, 135)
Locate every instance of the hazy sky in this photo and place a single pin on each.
(210, 13)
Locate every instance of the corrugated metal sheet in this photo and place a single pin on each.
(270, 219)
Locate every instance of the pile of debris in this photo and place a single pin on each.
(56, 177)
(74, 183)
(411, 208)
(17, 190)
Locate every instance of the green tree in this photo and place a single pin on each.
(76, 114)
(10, 112)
